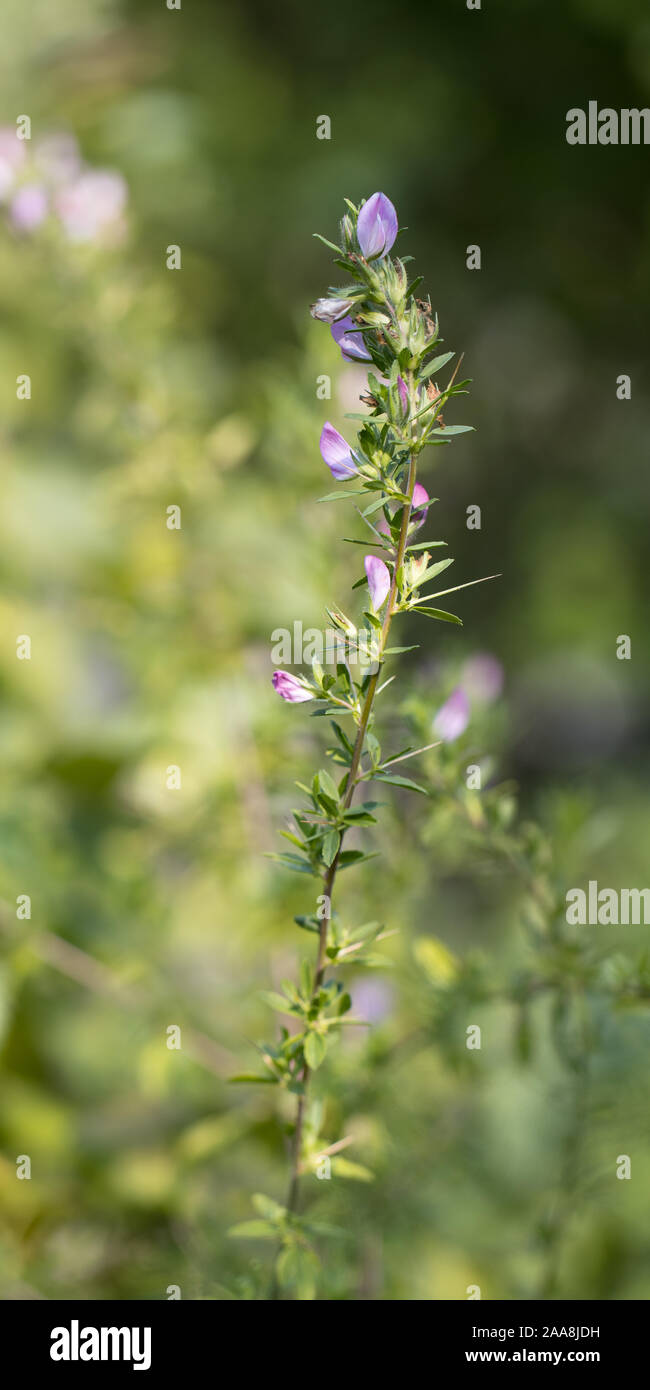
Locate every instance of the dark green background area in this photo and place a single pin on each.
(151, 647)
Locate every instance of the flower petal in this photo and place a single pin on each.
(330, 310)
(336, 453)
(290, 688)
(350, 340)
(378, 576)
(377, 226)
(420, 506)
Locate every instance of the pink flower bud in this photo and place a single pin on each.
(290, 688)
(376, 226)
(330, 310)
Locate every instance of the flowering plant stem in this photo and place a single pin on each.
(330, 875)
(378, 320)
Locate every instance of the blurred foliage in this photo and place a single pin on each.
(150, 647)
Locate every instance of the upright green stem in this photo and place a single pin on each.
(330, 876)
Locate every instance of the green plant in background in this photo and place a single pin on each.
(378, 320)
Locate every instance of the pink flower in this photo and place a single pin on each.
(336, 452)
(403, 395)
(28, 207)
(290, 688)
(376, 226)
(92, 206)
(57, 157)
(378, 576)
(453, 717)
(420, 506)
(482, 677)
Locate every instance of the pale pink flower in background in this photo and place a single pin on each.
(453, 717)
(28, 207)
(12, 158)
(482, 677)
(57, 157)
(91, 207)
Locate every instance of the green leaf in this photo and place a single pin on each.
(328, 786)
(331, 847)
(250, 1079)
(401, 782)
(433, 570)
(356, 1172)
(296, 1268)
(325, 242)
(277, 1002)
(336, 496)
(413, 286)
(374, 507)
(268, 1207)
(307, 924)
(453, 429)
(315, 1049)
(342, 737)
(439, 614)
(348, 857)
(254, 1230)
(437, 363)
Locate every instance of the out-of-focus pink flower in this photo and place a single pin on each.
(378, 576)
(12, 158)
(335, 450)
(290, 688)
(57, 157)
(373, 999)
(91, 207)
(377, 226)
(482, 677)
(28, 207)
(350, 340)
(453, 717)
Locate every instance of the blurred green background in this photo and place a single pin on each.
(151, 647)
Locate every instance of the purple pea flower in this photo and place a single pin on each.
(330, 310)
(290, 688)
(336, 452)
(376, 226)
(350, 340)
(482, 677)
(420, 506)
(378, 576)
(28, 207)
(453, 717)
